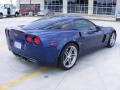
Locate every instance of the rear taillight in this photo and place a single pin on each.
(28, 39)
(36, 41)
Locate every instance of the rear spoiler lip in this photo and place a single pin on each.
(23, 31)
(16, 29)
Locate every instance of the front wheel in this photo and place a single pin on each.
(68, 56)
(112, 40)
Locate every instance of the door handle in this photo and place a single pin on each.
(90, 32)
(90, 29)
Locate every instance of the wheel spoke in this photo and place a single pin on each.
(71, 50)
(66, 53)
(66, 60)
(112, 40)
(69, 61)
(73, 54)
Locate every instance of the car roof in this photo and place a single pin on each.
(65, 17)
(49, 20)
(59, 18)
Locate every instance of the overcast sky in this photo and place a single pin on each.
(7, 1)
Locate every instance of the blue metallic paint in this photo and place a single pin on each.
(47, 54)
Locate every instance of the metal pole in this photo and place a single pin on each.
(11, 1)
(19, 2)
(18, 6)
(30, 4)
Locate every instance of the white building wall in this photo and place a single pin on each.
(41, 2)
(117, 12)
(65, 5)
(24, 1)
(90, 7)
(28, 1)
(118, 5)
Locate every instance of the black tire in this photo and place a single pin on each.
(109, 45)
(8, 16)
(16, 14)
(61, 57)
(1, 15)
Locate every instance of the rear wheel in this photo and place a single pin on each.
(112, 40)
(68, 56)
(1, 15)
(16, 14)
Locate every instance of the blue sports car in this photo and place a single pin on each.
(58, 40)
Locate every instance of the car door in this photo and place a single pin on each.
(91, 36)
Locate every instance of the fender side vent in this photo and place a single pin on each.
(104, 38)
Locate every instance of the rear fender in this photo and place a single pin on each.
(75, 39)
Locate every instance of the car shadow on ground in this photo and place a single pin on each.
(81, 58)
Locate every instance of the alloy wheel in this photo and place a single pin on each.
(70, 56)
(112, 39)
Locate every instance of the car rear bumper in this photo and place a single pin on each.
(41, 54)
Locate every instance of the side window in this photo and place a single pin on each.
(60, 25)
(65, 26)
(84, 25)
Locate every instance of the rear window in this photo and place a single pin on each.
(42, 24)
(38, 24)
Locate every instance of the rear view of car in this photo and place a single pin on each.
(19, 41)
(30, 46)
(58, 40)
